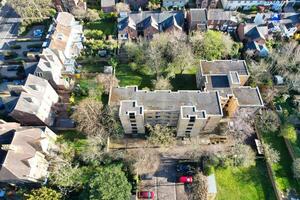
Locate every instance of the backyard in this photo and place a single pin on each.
(282, 170)
(107, 25)
(129, 77)
(244, 183)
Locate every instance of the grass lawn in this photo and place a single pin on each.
(107, 25)
(128, 77)
(94, 88)
(244, 183)
(96, 67)
(282, 170)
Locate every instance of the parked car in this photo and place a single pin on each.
(146, 195)
(185, 169)
(185, 179)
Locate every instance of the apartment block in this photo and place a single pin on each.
(191, 112)
(229, 77)
(23, 153)
(222, 92)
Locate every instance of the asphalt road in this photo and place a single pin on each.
(9, 22)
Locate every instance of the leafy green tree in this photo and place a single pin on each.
(109, 183)
(94, 34)
(161, 135)
(296, 168)
(288, 131)
(212, 45)
(43, 193)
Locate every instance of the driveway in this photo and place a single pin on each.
(164, 182)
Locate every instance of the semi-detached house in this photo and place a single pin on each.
(23, 153)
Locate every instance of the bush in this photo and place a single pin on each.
(288, 131)
(34, 46)
(16, 46)
(208, 170)
(81, 90)
(10, 55)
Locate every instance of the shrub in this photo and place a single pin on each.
(208, 170)
(16, 46)
(288, 131)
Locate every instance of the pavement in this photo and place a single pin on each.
(164, 182)
(9, 23)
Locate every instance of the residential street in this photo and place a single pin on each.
(9, 23)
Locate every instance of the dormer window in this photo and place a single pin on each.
(29, 99)
(60, 36)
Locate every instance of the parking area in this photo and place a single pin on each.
(164, 182)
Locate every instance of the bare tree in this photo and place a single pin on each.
(161, 135)
(268, 121)
(242, 155)
(296, 168)
(199, 187)
(144, 160)
(162, 84)
(88, 117)
(31, 8)
(107, 81)
(122, 7)
(272, 155)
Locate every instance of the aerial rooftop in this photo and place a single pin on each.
(168, 100)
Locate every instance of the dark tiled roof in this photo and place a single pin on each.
(164, 19)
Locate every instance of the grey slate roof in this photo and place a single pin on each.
(141, 20)
(198, 14)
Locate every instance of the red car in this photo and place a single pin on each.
(146, 195)
(186, 179)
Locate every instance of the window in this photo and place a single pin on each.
(189, 128)
(192, 119)
(190, 124)
(133, 124)
(187, 131)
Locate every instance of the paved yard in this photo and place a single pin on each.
(164, 182)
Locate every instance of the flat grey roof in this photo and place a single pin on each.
(224, 67)
(248, 96)
(168, 100)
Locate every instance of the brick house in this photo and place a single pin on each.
(197, 19)
(69, 5)
(218, 19)
(147, 23)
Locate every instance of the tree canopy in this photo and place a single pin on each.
(109, 183)
(43, 193)
(32, 8)
(161, 135)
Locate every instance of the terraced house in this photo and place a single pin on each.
(147, 23)
(192, 112)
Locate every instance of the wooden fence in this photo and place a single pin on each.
(270, 172)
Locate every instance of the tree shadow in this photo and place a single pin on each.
(184, 82)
